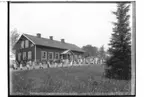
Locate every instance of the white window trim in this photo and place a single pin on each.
(42, 56)
(29, 55)
(56, 54)
(25, 55)
(28, 39)
(26, 43)
(24, 36)
(22, 44)
(52, 55)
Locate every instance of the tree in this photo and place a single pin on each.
(14, 35)
(101, 53)
(119, 64)
(90, 50)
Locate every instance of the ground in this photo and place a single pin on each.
(74, 80)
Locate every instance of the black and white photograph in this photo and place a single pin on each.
(72, 48)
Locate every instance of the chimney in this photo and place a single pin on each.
(38, 35)
(62, 40)
(51, 37)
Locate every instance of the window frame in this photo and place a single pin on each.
(24, 57)
(49, 55)
(22, 44)
(57, 53)
(26, 43)
(29, 55)
(43, 54)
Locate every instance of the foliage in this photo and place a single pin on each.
(102, 53)
(90, 50)
(13, 38)
(119, 64)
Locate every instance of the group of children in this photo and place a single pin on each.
(56, 63)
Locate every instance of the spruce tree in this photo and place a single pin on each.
(119, 64)
(102, 53)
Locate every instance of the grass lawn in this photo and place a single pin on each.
(76, 80)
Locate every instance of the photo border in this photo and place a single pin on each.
(133, 47)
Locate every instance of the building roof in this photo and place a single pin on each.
(67, 52)
(53, 43)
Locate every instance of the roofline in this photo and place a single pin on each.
(82, 51)
(78, 51)
(28, 38)
(69, 50)
(24, 36)
(17, 41)
(61, 48)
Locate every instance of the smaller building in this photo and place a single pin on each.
(37, 48)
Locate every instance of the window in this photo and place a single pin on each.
(26, 43)
(19, 56)
(56, 55)
(43, 55)
(50, 54)
(22, 44)
(29, 55)
(24, 55)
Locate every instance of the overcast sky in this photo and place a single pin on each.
(80, 24)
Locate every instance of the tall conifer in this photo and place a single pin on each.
(120, 45)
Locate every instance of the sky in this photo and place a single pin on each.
(77, 23)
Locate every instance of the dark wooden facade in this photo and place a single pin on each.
(53, 50)
(21, 50)
(36, 50)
